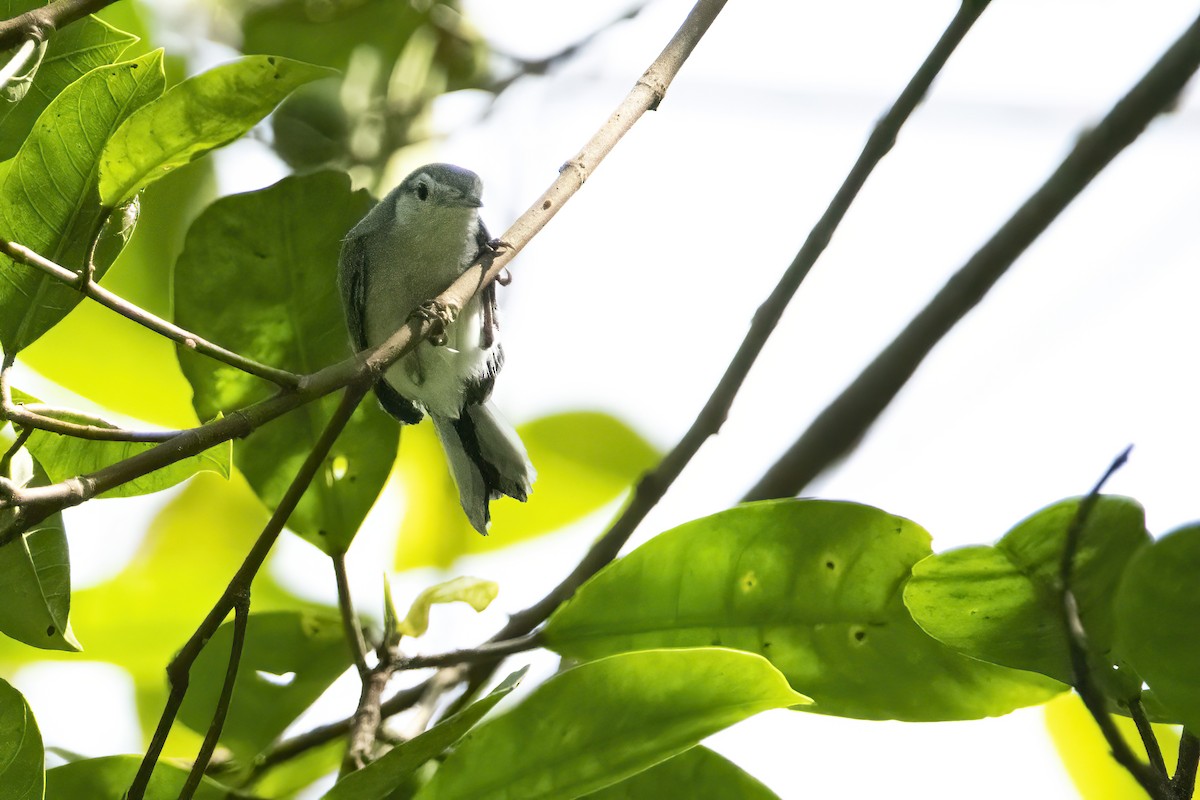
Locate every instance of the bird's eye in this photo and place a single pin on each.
(422, 191)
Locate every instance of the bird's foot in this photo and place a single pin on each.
(440, 316)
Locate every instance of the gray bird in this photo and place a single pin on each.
(406, 250)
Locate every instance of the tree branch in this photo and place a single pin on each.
(40, 502)
(38, 23)
(170, 330)
(239, 586)
(1137, 712)
(654, 485)
(241, 617)
(487, 653)
(354, 634)
(1081, 673)
(1184, 782)
(845, 420)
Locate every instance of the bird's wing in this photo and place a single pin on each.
(352, 280)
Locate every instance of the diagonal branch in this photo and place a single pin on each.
(239, 586)
(844, 421)
(170, 330)
(39, 23)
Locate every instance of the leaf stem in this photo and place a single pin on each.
(1137, 712)
(179, 668)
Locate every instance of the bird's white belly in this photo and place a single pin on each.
(435, 377)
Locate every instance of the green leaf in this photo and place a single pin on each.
(698, 774)
(198, 115)
(603, 721)
(70, 54)
(814, 586)
(476, 592)
(329, 34)
(109, 777)
(49, 200)
(1156, 609)
(1001, 604)
(67, 456)
(585, 460)
(289, 659)
(35, 583)
(142, 275)
(18, 83)
(21, 753)
(258, 275)
(377, 780)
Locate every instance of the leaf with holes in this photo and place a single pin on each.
(1002, 604)
(196, 116)
(21, 754)
(380, 778)
(289, 659)
(258, 274)
(71, 53)
(49, 200)
(815, 586)
(601, 722)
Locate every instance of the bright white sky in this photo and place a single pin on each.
(636, 295)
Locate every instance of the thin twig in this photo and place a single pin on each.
(354, 634)
(844, 421)
(1081, 674)
(21, 253)
(1184, 782)
(180, 667)
(17, 62)
(488, 652)
(368, 715)
(241, 618)
(38, 23)
(1137, 712)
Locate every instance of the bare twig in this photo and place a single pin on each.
(170, 330)
(368, 715)
(6, 459)
(179, 669)
(1137, 712)
(241, 617)
(38, 23)
(525, 67)
(845, 420)
(354, 634)
(1184, 782)
(1081, 674)
(488, 652)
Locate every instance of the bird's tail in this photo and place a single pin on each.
(486, 459)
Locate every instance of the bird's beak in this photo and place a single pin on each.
(466, 201)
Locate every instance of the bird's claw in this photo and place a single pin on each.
(439, 315)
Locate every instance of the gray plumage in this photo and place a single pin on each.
(406, 250)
